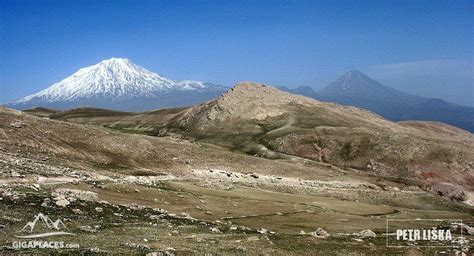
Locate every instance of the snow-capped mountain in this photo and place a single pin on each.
(119, 84)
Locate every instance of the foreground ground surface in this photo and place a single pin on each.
(137, 194)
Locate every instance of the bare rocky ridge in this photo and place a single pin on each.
(262, 120)
(253, 101)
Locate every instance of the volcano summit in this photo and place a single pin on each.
(119, 84)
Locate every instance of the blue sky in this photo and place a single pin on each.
(422, 47)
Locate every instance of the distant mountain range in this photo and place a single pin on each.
(119, 84)
(357, 89)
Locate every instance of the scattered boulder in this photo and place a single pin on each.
(215, 230)
(63, 202)
(18, 124)
(97, 250)
(253, 238)
(450, 191)
(159, 210)
(45, 202)
(241, 248)
(186, 215)
(76, 193)
(142, 247)
(15, 174)
(35, 187)
(253, 175)
(367, 233)
(462, 228)
(77, 211)
(88, 229)
(320, 233)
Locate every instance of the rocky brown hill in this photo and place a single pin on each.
(262, 120)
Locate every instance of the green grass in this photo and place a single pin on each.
(132, 131)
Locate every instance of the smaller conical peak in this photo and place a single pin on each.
(353, 77)
(353, 73)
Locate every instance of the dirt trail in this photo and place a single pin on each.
(291, 121)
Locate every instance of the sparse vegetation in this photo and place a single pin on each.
(440, 154)
(242, 185)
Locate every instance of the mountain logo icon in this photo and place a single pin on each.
(43, 222)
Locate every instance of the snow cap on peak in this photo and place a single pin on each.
(114, 59)
(114, 78)
(117, 62)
